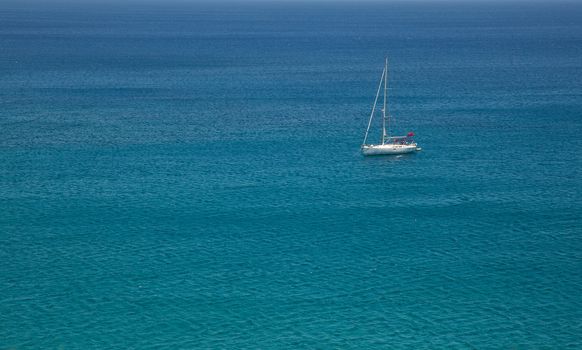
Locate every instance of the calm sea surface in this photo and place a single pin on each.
(188, 176)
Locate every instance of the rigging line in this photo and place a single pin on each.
(384, 107)
(374, 106)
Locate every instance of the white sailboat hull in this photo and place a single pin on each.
(387, 149)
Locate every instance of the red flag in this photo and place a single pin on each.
(410, 134)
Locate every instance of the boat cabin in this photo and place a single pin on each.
(400, 140)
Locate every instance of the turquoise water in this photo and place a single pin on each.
(189, 176)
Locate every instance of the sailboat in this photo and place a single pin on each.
(389, 144)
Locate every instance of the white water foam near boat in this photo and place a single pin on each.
(389, 145)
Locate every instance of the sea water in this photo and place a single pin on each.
(188, 176)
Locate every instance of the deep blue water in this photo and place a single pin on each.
(189, 176)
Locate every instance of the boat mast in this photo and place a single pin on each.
(374, 106)
(384, 109)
